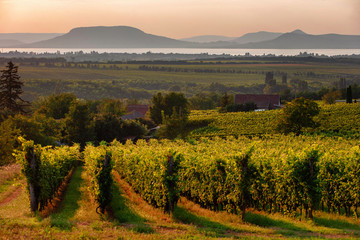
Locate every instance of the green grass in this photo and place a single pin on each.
(62, 219)
(336, 223)
(203, 224)
(124, 214)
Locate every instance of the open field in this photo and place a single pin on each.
(141, 80)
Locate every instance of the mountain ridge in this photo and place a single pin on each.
(130, 37)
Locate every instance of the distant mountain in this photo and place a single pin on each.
(301, 40)
(129, 37)
(257, 37)
(207, 38)
(28, 37)
(9, 43)
(110, 37)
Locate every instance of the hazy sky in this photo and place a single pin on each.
(183, 18)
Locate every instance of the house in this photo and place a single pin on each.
(262, 101)
(135, 111)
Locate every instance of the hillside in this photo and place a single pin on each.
(9, 42)
(28, 37)
(301, 40)
(129, 37)
(207, 38)
(109, 37)
(257, 37)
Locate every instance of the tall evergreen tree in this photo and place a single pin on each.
(10, 90)
(349, 95)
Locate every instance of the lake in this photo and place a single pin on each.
(233, 52)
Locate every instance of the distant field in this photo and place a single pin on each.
(98, 80)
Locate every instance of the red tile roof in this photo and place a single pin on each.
(263, 101)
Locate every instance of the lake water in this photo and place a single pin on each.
(233, 52)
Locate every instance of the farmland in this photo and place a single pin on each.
(232, 177)
(142, 80)
(132, 215)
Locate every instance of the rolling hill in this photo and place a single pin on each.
(109, 37)
(129, 37)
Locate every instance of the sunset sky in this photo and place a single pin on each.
(183, 18)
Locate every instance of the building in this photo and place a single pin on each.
(135, 111)
(262, 101)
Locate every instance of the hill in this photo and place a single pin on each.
(301, 40)
(9, 42)
(109, 37)
(129, 37)
(208, 38)
(257, 37)
(28, 37)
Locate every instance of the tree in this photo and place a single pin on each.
(156, 108)
(111, 106)
(10, 90)
(8, 137)
(225, 101)
(168, 104)
(173, 126)
(56, 106)
(296, 115)
(348, 95)
(331, 96)
(78, 125)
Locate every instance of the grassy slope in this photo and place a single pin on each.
(133, 218)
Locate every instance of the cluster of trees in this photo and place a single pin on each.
(196, 70)
(58, 119)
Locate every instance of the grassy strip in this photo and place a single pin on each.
(62, 219)
(125, 215)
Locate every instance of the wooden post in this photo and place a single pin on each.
(311, 165)
(244, 163)
(106, 161)
(106, 164)
(171, 187)
(30, 155)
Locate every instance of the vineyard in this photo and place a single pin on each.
(273, 186)
(338, 120)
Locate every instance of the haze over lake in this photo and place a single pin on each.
(233, 52)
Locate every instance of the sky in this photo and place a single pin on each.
(183, 18)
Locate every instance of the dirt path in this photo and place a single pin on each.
(12, 194)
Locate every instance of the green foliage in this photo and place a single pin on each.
(169, 103)
(98, 164)
(331, 97)
(109, 127)
(202, 101)
(52, 166)
(79, 128)
(297, 115)
(146, 167)
(225, 100)
(284, 174)
(38, 127)
(215, 180)
(10, 90)
(173, 126)
(247, 107)
(156, 108)
(348, 94)
(111, 106)
(8, 136)
(56, 106)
